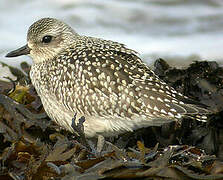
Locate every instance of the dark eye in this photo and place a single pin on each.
(47, 39)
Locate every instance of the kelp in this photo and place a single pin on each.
(34, 147)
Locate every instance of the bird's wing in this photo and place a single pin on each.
(117, 83)
(159, 97)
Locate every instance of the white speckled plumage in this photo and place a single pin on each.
(101, 80)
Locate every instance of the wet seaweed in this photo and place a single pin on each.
(34, 147)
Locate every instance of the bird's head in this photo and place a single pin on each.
(46, 38)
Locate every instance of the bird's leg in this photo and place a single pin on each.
(79, 130)
(100, 143)
(79, 126)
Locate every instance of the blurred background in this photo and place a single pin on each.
(179, 31)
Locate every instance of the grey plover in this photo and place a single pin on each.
(102, 80)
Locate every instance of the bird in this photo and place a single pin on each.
(101, 80)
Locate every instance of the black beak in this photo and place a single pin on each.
(18, 52)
